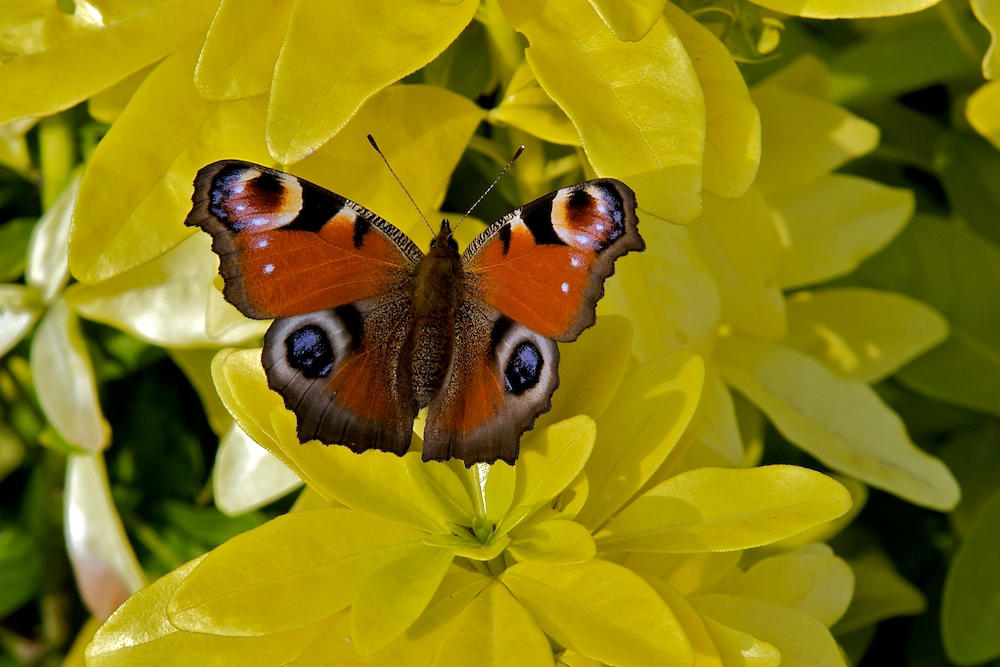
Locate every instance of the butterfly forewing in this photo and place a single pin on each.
(544, 265)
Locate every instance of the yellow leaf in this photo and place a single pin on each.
(168, 301)
(550, 460)
(686, 573)
(732, 145)
(64, 379)
(671, 310)
(739, 241)
(630, 21)
(526, 106)
(392, 597)
(289, 573)
(242, 45)
(638, 105)
(827, 531)
(91, 60)
(843, 423)
(247, 476)
(319, 85)
(718, 509)
(988, 13)
(804, 138)
(982, 112)
(494, 631)
(137, 188)
(440, 484)
(417, 646)
(591, 370)
(553, 542)
(717, 413)
(845, 9)
(810, 579)
(104, 565)
(862, 334)
(601, 610)
(830, 226)
(139, 633)
(739, 649)
(108, 104)
(639, 429)
(500, 486)
(423, 131)
(802, 640)
(705, 652)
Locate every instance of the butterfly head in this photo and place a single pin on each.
(444, 243)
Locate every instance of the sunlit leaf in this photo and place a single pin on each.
(247, 476)
(64, 380)
(104, 564)
(981, 111)
(139, 632)
(639, 429)
(988, 13)
(317, 89)
(555, 542)
(862, 334)
(685, 573)
(91, 60)
(601, 610)
(237, 59)
(249, 587)
(829, 227)
(647, 130)
(717, 509)
(732, 145)
(740, 648)
(494, 631)
(841, 422)
(705, 652)
(151, 154)
(392, 597)
(629, 21)
(47, 269)
(845, 9)
(20, 306)
(526, 106)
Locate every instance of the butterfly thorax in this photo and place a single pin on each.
(439, 290)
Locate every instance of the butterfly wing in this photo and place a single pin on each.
(288, 247)
(532, 278)
(544, 265)
(337, 278)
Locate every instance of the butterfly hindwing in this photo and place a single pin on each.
(544, 265)
(288, 247)
(338, 370)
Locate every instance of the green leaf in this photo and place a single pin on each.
(879, 593)
(392, 597)
(988, 13)
(648, 130)
(970, 609)
(639, 429)
(20, 568)
(318, 87)
(494, 631)
(718, 509)
(981, 111)
(954, 270)
(464, 67)
(207, 524)
(841, 422)
(151, 154)
(974, 459)
(14, 237)
(601, 610)
(289, 573)
(93, 59)
(968, 167)
(908, 57)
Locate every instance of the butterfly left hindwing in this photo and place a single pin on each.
(368, 329)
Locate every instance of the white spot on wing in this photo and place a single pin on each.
(268, 268)
(565, 288)
(262, 243)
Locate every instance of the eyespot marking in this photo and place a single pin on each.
(309, 351)
(524, 369)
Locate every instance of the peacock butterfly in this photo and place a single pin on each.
(368, 329)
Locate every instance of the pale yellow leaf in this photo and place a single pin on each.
(845, 9)
(247, 476)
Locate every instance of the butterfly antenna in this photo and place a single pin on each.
(492, 185)
(371, 140)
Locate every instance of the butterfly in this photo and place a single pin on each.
(368, 329)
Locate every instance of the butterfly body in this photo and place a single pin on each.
(368, 329)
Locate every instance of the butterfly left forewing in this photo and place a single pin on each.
(288, 247)
(544, 265)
